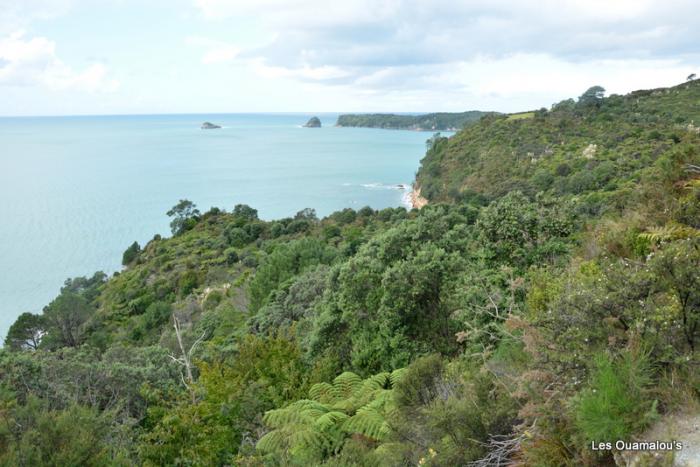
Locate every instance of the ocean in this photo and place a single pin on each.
(75, 192)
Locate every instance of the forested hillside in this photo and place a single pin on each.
(548, 296)
(441, 121)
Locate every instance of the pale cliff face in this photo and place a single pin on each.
(417, 201)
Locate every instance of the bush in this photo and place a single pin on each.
(618, 403)
(237, 236)
(231, 255)
(131, 254)
(187, 282)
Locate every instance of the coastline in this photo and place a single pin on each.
(416, 200)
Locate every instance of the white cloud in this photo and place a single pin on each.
(215, 51)
(305, 71)
(33, 62)
(17, 14)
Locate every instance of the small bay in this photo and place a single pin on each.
(76, 191)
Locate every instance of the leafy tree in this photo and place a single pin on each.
(283, 263)
(64, 318)
(237, 236)
(691, 77)
(593, 96)
(89, 288)
(131, 253)
(243, 211)
(518, 231)
(26, 332)
(185, 215)
(306, 214)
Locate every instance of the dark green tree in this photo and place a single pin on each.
(185, 215)
(131, 253)
(244, 211)
(592, 97)
(26, 332)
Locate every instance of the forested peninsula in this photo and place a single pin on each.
(545, 298)
(442, 121)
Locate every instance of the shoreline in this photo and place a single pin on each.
(415, 198)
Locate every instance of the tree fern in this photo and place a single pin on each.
(315, 428)
(369, 422)
(330, 419)
(347, 383)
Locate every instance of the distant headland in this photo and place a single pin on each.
(442, 121)
(209, 126)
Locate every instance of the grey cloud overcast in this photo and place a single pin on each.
(410, 55)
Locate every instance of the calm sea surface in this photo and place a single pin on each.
(76, 191)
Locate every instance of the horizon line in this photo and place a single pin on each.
(148, 114)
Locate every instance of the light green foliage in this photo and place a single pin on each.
(521, 115)
(618, 402)
(232, 395)
(310, 430)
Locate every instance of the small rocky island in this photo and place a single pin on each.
(313, 122)
(209, 126)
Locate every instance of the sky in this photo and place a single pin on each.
(77, 57)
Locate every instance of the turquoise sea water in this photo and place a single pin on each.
(76, 191)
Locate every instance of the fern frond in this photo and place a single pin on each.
(378, 381)
(669, 232)
(308, 438)
(272, 441)
(397, 375)
(324, 392)
(347, 383)
(330, 419)
(367, 422)
(301, 412)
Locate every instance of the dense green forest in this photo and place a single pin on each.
(442, 121)
(546, 297)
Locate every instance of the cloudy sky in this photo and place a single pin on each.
(65, 57)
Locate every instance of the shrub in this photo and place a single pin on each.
(617, 403)
(131, 254)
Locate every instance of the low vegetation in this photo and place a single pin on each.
(547, 296)
(428, 122)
